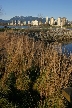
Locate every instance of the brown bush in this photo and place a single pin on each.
(22, 52)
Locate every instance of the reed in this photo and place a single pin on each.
(20, 53)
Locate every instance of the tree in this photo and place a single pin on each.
(40, 17)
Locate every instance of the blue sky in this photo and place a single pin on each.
(50, 8)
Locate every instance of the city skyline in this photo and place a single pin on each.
(50, 8)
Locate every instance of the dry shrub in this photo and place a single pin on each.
(55, 68)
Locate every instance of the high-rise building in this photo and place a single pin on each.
(59, 21)
(8, 23)
(51, 21)
(24, 22)
(66, 21)
(19, 22)
(16, 22)
(46, 19)
(12, 23)
(63, 20)
(29, 22)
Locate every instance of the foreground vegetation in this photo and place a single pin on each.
(32, 74)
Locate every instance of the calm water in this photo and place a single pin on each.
(67, 48)
(17, 27)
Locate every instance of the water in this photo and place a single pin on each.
(64, 48)
(67, 48)
(17, 27)
(1, 26)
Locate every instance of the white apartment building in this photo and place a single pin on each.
(11, 23)
(51, 21)
(8, 24)
(46, 19)
(15, 22)
(34, 22)
(19, 22)
(24, 22)
(59, 21)
(63, 20)
(29, 22)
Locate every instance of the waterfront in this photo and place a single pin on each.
(17, 27)
(24, 27)
(66, 46)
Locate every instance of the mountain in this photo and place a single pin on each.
(4, 21)
(27, 18)
(22, 18)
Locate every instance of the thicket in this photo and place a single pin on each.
(32, 74)
(2, 29)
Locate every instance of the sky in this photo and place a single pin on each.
(50, 8)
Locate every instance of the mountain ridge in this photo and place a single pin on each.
(22, 18)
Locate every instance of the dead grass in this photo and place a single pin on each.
(55, 69)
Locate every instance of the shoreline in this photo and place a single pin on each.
(51, 35)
